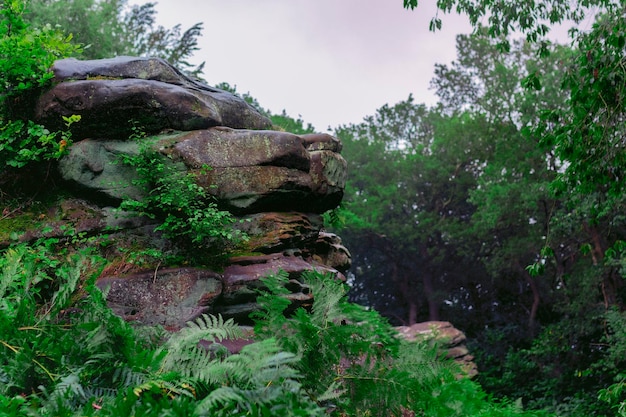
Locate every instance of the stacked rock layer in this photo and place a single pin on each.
(278, 182)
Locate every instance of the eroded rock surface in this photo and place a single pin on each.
(278, 183)
(168, 297)
(113, 96)
(250, 171)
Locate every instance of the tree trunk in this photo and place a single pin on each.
(532, 323)
(532, 317)
(431, 297)
(412, 312)
(608, 284)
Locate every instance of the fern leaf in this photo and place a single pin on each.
(127, 377)
(70, 277)
(182, 352)
(10, 269)
(219, 397)
(334, 391)
(207, 327)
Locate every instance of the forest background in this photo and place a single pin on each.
(500, 209)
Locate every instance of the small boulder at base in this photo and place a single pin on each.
(449, 337)
(168, 297)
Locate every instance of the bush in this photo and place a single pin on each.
(27, 56)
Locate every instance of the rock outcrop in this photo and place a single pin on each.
(276, 182)
(115, 95)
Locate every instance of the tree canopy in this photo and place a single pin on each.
(109, 28)
(524, 151)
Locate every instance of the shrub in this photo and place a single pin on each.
(27, 55)
(188, 214)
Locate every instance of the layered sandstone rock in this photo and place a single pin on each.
(276, 182)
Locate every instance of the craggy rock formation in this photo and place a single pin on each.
(451, 339)
(278, 182)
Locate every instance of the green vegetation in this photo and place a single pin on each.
(500, 209)
(109, 28)
(27, 55)
(188, 215)
(63, 352)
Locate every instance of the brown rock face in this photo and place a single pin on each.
(277, 182)
(276, 232)
(224, 147)
(251, 171)
(168, 297)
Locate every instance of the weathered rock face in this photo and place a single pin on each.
(166, 297)
(251, 170)
(277, 183)
(114, 95)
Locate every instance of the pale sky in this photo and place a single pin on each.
(331, 62)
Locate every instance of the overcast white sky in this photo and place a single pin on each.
(330, 61)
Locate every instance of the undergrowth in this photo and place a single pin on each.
(27, 55)
(64, 353)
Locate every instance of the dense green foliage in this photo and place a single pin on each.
(525, 153)
(63, 352)
(27, 55)
(500, 209)
(477, 218)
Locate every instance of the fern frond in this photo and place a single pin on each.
(10, 269)
(191, 363)
(70, 387)
(260, 375)
(270, 317)
(182, 352)
(219, 397)
(334, 391)
(67, 394)
(328, 294)
(126, 377)
(206, 327)
(257, 364)
(69, 276)
(165, 388)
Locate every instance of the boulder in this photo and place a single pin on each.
(276, 182)
(242, 282)
(114, 96)
(330, 251)
(168, 297)
(277, 232)
(450, 339)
